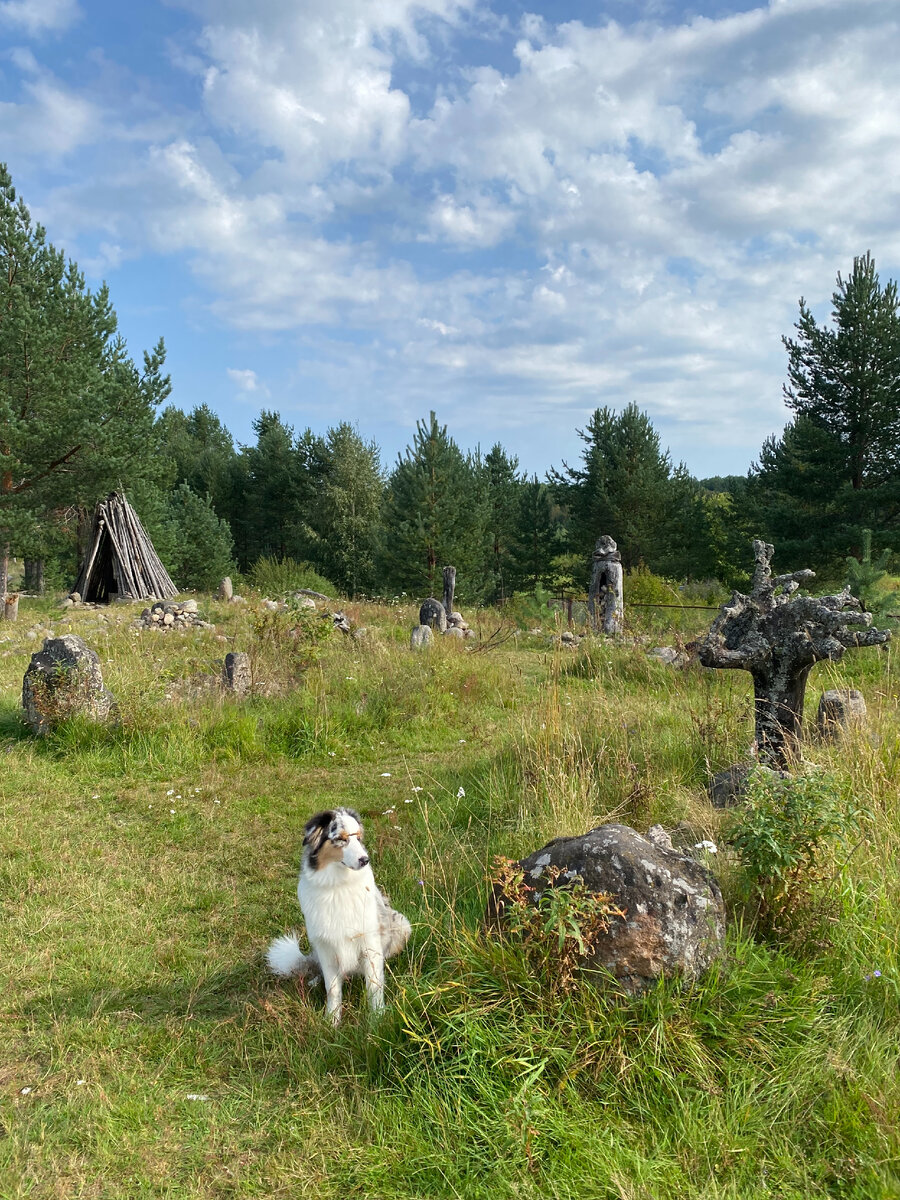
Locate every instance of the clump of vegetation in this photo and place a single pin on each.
(785, 836)
(558, 927)
(277, 577)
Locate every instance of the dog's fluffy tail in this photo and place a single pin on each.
(285, 958)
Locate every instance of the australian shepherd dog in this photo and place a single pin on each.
(350, 925)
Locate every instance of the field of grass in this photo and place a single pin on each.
(144, 1052)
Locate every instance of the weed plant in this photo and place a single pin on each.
(144, 1052)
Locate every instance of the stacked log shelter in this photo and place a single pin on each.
(120, 561)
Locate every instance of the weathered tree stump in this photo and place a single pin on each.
(449, 589)
(778, 637)
(606, 586)
(11, 607)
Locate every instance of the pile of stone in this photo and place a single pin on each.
(435, 618)
(74, 600)
(166, 615)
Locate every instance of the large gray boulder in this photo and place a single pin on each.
(434, 614)
(64, 679)
(674, 921)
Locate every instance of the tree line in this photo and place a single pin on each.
(78, 417)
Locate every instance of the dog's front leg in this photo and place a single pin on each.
(373, 969)
(331, 974)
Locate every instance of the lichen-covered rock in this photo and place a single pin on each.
(421, 636)
(237, 674)
(674, 921)
(839, 708)
(226, 589)
(64, 679)
(434, 614)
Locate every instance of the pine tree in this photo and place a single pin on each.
(434, 517)
(203, 545)
(277, 490)
(502, 486)
(536, 541)
(345, 508)
(836, 468)
(76, 414)
(626, 488)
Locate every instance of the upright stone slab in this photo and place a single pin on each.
(226, 589)
(839, 708)
(449, 574)
(237, 675)
(64, 679)
(674, 921)
(421, 636)
(434, 614)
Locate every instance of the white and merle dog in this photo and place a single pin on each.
(350, 925)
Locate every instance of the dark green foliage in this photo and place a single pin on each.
(865, 577)
(76, 414)
(276, 489)
(435, 516)
(344, 511)
(504, 487)
(202, 553)
(202, 453)
(628, 488)
(835, 468)
(536, 539)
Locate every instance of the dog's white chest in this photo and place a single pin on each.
(341, 914)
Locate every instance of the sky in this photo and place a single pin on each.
(511, 212)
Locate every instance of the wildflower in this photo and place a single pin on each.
(385, 774)
(80, 1082)
(706, 845)
(462, 741)
(196, 1096)
(331, 753)
(217, 801)
(170, 792)
(172, 811)
(95, 797)
(24, 1091)
(388, 812)
(408, 800)
(417, 789)
(420, 882)
(461, 794)
(876, 974)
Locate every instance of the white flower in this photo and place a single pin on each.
(217, 801)
(462, 741)
(388, 812)
(196, 1096)
(460, 795)
(385, 774)
(24, 1091)
(417, 789)
(80, 1082)
(170, 792)
(172, 811)
(331, 753)
(711, 847)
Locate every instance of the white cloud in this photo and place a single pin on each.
(246, 380)
(39, 16)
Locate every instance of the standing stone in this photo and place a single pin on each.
(839, 708)
(64, 679)
(226, 589)
(237, 675)
(606, 587)
(421, 636)
(449, 588)
(434, 614)
(674, 919)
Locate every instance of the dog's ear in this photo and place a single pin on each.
(315, 830)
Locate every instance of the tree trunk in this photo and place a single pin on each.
(4, 570)
(11, 607)
(778, 710)
(34, 576)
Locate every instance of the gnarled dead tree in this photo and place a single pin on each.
(778, 636)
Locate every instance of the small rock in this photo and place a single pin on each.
(189, 605)
(839, 708)
(455, 633)
(421, 636)
(728, 787)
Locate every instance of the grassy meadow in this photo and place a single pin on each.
(144, 1052)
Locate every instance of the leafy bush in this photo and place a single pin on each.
(784, 836)
(280, 576)
(641, 586)
(557, 928)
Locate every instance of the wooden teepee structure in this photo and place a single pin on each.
(120, 558)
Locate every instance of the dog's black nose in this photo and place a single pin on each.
(364, 860)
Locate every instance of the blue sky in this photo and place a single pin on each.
(509, 212)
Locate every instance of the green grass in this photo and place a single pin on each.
(132, 935)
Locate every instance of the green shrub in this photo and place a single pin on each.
(784, 837)
(280, 576)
